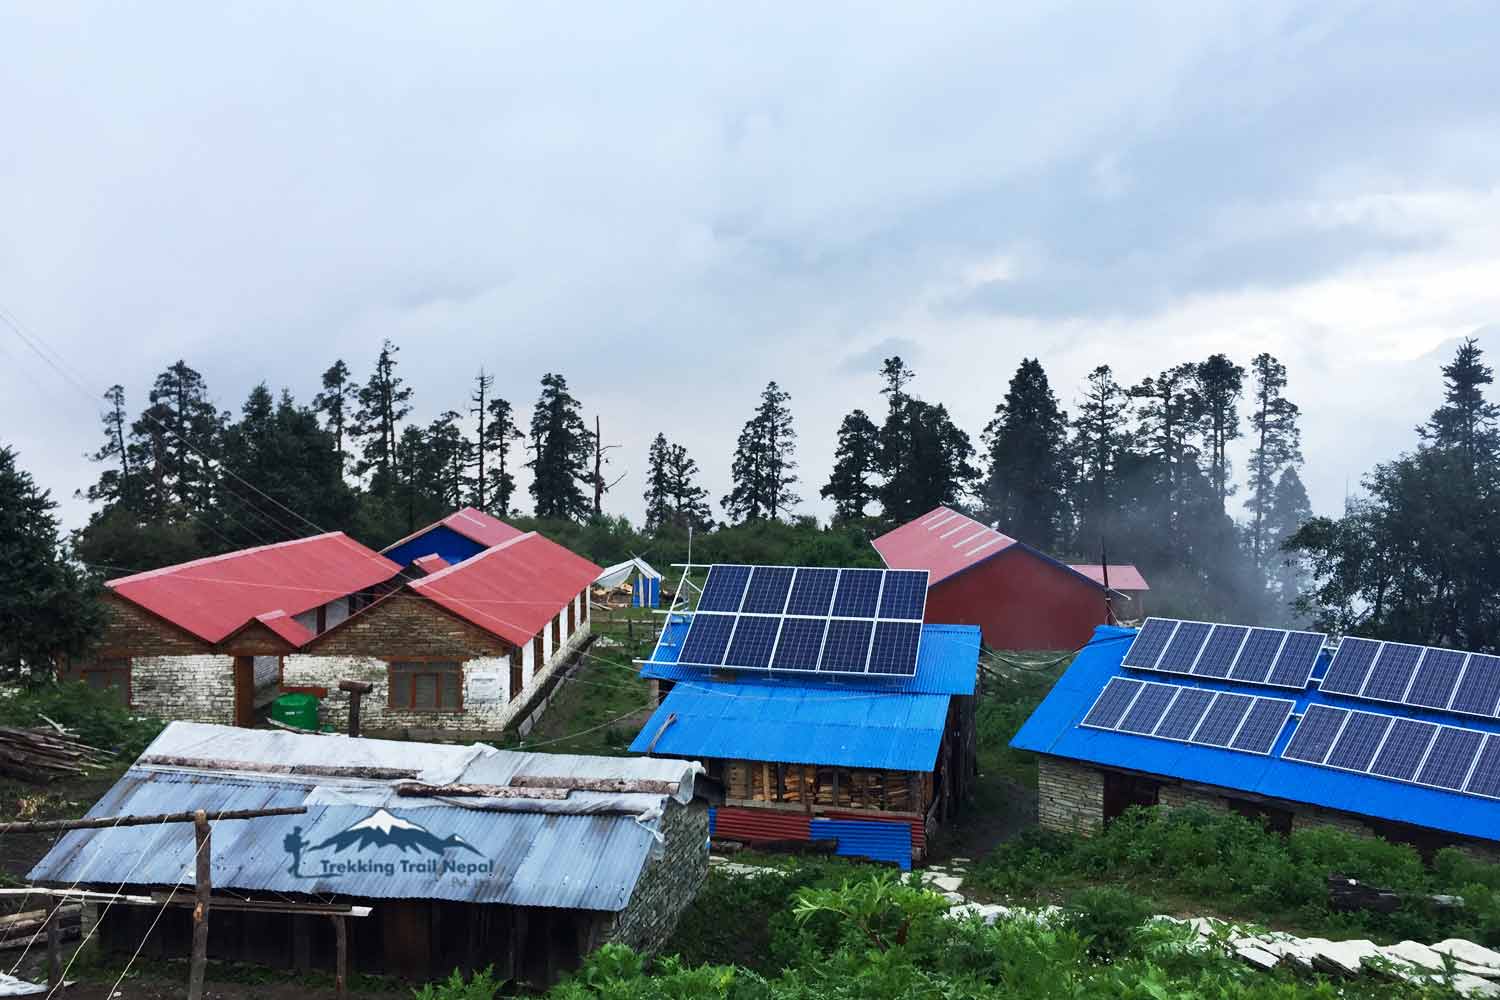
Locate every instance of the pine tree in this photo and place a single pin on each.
(1289, 510)
(1466, 421)
(333, 404)
(47, 609)
(1100, 440)
(562, 449)
(1026, 490)
(658, 491)
(924, 459)
(175, 439)
(1277, 445)
(689, 500)
(762, 470)
(114, 485)
(446, 462)
(1168, 409)
(384, 401)
(1218, 384)
(851, 486)
(501, 481)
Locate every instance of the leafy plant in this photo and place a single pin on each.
(1108, 919)
(482, 985)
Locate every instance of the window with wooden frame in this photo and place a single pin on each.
(517, 675)
(427, 685)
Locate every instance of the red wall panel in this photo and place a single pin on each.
(751, 825)
(1020, 601)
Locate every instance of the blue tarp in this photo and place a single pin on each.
(1053, 729)
(441, 540)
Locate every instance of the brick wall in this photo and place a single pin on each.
(1070, 797)
(405, 625)
(674, 873)
(195, 688)
(130, 630)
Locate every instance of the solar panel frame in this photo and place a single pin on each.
(1361, 739)
(1404, 749)
(846, 646)
(1319, 726)
(1187, 643)
(902, 585)
(724, 588)
(1484, 777)
(1223, 720)
(811, 594)
(1462, 758)
(1347, 672)
(857, 588)
(1436, 679)
(768, 590)
(1257, 655)
(1262, 725)
(1114, 700)
(1295, 660)
(1223, 647)
(1147, 710)
(1150, 642)
(1394, 666)
(750, 636)
(1192, 703)
(708, 628)
(797, 633)
(899, 627)
(1481, 679)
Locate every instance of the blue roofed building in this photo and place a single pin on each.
(1390, 739)
(874, 763)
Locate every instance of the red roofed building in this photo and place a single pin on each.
(1020, 597)
(472, 648)
(461, 535)
(203, 640)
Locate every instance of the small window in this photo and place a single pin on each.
(427, 687)
(517, 677)
(557, 632)
(536, 653)
(571, 624)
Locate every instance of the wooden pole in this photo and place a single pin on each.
(203, 888)
(341, 938)
(356, 691)
(54, 946)
(43, 826)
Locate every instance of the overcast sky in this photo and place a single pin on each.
(671, 205)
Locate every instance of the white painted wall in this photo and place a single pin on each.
(197, 688)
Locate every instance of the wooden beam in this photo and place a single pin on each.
(42, 826)
(165, 898)
(653, 786)
(202, 891)
(315, 770)
(416, 789)
(341, 941)
(54, 948)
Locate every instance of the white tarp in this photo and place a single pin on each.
(622, 573)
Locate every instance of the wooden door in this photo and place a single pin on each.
(244, 691)
(1121, 791)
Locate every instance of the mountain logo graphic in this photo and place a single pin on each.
(382, 829)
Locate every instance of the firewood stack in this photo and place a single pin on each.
(22, 930)
(43, 755)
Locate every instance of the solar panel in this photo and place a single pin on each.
(812, 592)
(1479, 688)
(1220, 650)
(707, 639)
(1112, 702)
(1436, 678)
(1150, 639)
(724, 588)
(754, 638)
(1257, 655)
(768, 590)
(798, 645)
(905, 594)
(1485, 779)
(858, 593)
(1270, 656)
(1223, 719)
(846, 649)
(1263, 724)
(1391, 675)
(1315, 734)
(1350, 666)
(1451, 758)
(1358, 742)
(1294, 664)
(1404, 749)
(895, 647)
(1185, 714)
(1148, 709)
(1182, 652)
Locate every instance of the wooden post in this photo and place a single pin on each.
(341, 939)
(356, 690)
(203, 888)
(54, 946)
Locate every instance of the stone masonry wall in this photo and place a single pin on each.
(1070, 797)
(130, 630)
(669, 882)
(195, 688)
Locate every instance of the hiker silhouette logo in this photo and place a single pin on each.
(365, 848)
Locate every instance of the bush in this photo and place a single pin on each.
(1108, 920)
(96, 716)
(481, 986)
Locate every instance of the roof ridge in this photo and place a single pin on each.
(237, 553)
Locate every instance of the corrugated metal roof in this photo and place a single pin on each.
(512, 589)
(946, 543)
(757, 825)
(286, 626)
(947, 663)
(1053, 729)
(1121, 577)
(471, 522)
(587, 857)
(879, 840)
(430, 563)
(839, 726)
(213, 597)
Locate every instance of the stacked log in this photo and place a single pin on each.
(43, 755)
(21, 929)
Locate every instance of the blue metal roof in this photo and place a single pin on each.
(947, 662)
(842, 726)
(1053, 729)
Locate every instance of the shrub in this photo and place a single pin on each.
(96, 716)
(1108, 920)
(481, 986)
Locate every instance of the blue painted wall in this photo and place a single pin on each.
(441, 539)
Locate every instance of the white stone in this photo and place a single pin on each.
(1257, 957)
(1342, 956)
(1414, 953)
(944, 883)
(1474, 986)
(955, 897)
(1469, 952)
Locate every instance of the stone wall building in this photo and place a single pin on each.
(566, 853)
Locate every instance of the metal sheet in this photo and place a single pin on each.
(878, 840)
(758, 825)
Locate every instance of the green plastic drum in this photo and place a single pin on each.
(296, 709)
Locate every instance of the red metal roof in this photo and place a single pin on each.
(1121, 577)
(471, 522)
(215, 596)
(286, 626)
(512, 589)
(430, 563)
(943, 542)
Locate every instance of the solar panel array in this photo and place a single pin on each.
(1420, 676)
(1248, 723)
(808, 620)
(1449, 758)
(1270, 656)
